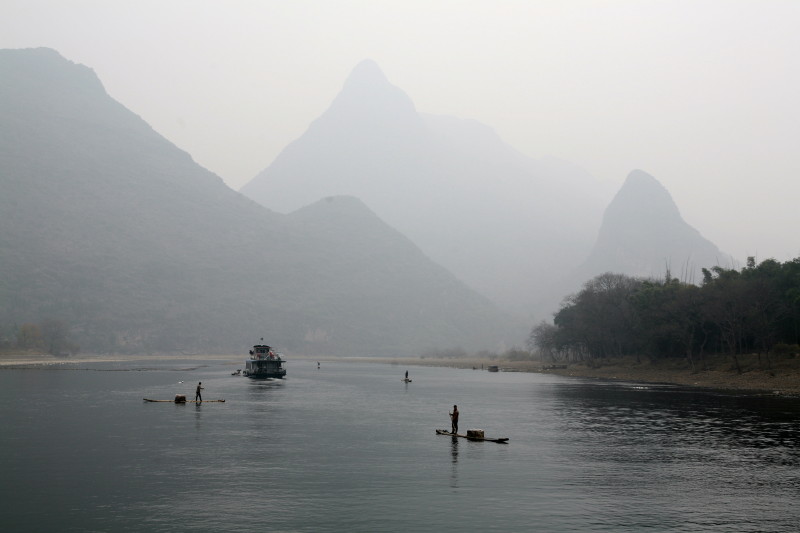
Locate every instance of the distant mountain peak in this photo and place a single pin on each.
(640, 178)
(642, 197)
(368, 93)
(643, 234)
(366, 72)
(45, 70)
(343, 213)
(334, 206)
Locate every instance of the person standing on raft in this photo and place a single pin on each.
(454, 420)
(197, 395)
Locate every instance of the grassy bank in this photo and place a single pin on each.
(780, 376)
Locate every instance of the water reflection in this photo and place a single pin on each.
(676, 416)
(198, 417)
(454, 461)
(258, 388)
(699, 442)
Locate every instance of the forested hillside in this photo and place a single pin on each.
(755, 309)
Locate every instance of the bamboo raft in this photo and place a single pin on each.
(472, 434)
(184, 401)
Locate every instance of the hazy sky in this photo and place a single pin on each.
(703, 95)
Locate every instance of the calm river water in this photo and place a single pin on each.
(350, 447)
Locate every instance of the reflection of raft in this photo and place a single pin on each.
(181, 398)
(472, 434)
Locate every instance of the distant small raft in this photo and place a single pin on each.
(472, 434)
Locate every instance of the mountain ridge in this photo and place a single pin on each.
(114, 231)
(451, 185)
(514, 228)
(643, 234)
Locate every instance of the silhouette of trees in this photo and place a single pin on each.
(54, 336)
(612, 299)
(731, 312)
(597, 322)
(542, 339)
(29, 336)
(670, 319)
(49, 336)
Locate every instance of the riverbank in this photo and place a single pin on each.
(782, 376)
(17, 360)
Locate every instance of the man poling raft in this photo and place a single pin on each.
(181, 398)
(472, 434)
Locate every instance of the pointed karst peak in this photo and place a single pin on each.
(642, 196)
(641, 179)
(367, 82)
(366, 73)
(368, 95)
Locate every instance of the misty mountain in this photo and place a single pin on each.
(506, 224)
(644, 235)
(112, 230)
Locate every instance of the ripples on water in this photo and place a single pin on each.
(673, 458)
(349, 447)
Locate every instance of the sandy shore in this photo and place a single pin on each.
(16, 360)
(781, 377)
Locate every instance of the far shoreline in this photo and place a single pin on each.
(781, 378)
(35, 360)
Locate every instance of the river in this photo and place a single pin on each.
(351, 447)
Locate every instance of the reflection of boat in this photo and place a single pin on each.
(264, 363)
(493, 368)
(472, 434)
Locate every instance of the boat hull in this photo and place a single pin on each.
(264, 370)
(266, 375)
